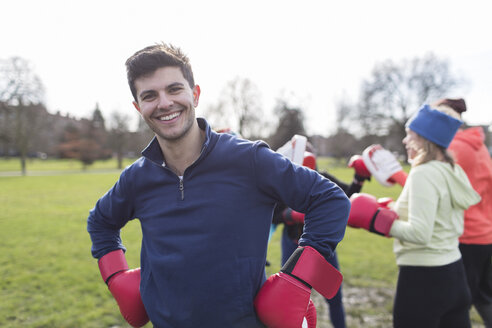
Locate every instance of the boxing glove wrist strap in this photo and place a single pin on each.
(382, 221)
(310, 267)
(112, 263)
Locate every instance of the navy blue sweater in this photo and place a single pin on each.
(205, 238)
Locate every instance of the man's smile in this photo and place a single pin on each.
(168, 117)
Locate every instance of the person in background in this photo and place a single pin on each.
(205, 202)
(426, 222)
(470, 152)
(294, 224)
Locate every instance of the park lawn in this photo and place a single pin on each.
(49, 278)
(36, 165)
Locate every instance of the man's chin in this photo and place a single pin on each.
(171, 135)
(173, 132)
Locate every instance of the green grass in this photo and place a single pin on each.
(49, 278)
(35, 165)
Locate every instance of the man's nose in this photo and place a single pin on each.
(165, 101)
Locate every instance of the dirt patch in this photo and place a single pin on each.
(368, 307)
(364, 307)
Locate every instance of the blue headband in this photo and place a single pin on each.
(434, 126)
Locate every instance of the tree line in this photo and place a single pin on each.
(387, 99)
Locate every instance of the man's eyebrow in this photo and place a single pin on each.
(175, 84)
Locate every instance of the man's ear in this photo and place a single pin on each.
(196, 94)
(136, 106)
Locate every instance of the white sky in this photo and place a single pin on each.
(317, 50)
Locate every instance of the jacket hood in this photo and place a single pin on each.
(461, 192)
(472, 136)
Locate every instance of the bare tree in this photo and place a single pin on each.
(98, 121)
(395, 91)
(240, 109)
(291, 122)
(342, 145)
(345, 112)
(218, 117)
(140, 138)
(21, 91)
(118, 135)
(6, 129)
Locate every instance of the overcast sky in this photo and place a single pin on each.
(320, 51)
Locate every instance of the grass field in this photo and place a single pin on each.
(12, 166)
(49, 279)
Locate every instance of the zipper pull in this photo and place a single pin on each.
(181, 187)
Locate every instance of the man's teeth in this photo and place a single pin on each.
(168, 117)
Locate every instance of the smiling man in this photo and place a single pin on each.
(205, 202)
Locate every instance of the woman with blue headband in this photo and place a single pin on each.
(426, 222)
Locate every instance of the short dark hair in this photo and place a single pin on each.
(151, 58)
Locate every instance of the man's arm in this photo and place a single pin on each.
(326, 211)
(111, 212)
(344, 186)
(325, 205)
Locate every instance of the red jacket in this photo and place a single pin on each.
(471, 154)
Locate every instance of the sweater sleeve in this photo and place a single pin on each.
(325, 205)
(111, 212)
(349, 190)
(423, 200)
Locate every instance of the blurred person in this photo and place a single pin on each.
(205, 203)
(294, 224)
(470, 152)
(426, 222)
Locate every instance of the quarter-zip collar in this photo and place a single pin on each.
(153, 151)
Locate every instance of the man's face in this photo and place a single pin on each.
(167, 102)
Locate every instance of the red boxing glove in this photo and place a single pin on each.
(292, 217)
(311, 317)
(124, 285)
(309, 160)
(368, 213)
(361, 171)
(284, 299)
